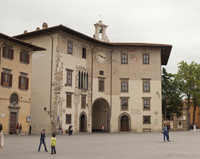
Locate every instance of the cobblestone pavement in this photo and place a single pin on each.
(183, 145)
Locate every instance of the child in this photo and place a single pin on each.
(42, 140)
(53, 144)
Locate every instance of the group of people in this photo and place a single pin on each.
(18, 129)
(165, 131)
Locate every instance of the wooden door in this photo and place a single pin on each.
(124, 123)
(82, 127)
(13, 121)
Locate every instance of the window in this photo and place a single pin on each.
(8, 52)
(69, 77)
(146, 103)
(124, 58)
(83, 101)
(101, 85)
(69, 100)
(124, 86)
(84, 53)
(68, 118)
(101, 72)
(6, 78)
(146, 85)
(24, 57)
(124, 103)
(146, 119)
(23, 81)
(70, 47)
(82, 80)
(145, 58)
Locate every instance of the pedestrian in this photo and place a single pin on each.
(59, 130)
(102, 128)
(42, 140)
(20, 129)
(17, 129)
(70, 130)
(165, 133)
(30, 130)
(53, 144)
(168, 128)
(1, 136)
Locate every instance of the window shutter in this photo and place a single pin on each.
(19, 82)
(20, 56)
(10, 80)
(27, 83)
(11, 53)
(4, 51)
(27, 58)
(2, 75)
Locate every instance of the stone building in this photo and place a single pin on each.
(88, 82)
(15, 66)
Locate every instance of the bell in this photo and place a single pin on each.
(100, 30)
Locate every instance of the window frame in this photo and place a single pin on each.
(101, 85)
(146, 84)
(83, 101)
(6, 74)
(8, 52)
(24, 57)
(68, 79)
(124, 58)
(68, 94)
(124, 88)
(68, 118)
(127, 106)
(146, 58)
(70, 47)
(149, 120)
(146, 101)
(84, 53)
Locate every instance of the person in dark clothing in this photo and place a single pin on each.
(42, 140)
(70, 130)
(30, 130)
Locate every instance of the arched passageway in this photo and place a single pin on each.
(100, 115)
(83, 122)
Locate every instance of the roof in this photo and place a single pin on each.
(165, 49)
(12, 39)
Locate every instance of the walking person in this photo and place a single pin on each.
(168, 128)
(20, 129)
(1, 137)
(42, 140)
(165, 132)
(70, 130)
(102, 128)
(53, 144)
(30, 130)
(17, 129)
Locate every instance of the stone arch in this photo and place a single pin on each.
(100, 115)
(14, 98)
(124, 122)
(83, 122)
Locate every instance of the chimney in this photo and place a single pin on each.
(25, 31)
(44, 25)
(37, 28)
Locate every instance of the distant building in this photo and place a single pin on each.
(15, 66)
(89, 82)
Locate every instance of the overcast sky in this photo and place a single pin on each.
(175, 22)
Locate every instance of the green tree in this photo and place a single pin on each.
(171, 96)
(188, 77)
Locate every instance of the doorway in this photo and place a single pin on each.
(100, 115)
(13, 122)
(83, 122)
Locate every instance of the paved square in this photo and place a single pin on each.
(106, 146)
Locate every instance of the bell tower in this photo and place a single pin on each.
(100, 32)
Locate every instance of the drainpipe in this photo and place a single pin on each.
(51, 74)
(110, 85)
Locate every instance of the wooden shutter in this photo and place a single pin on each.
(11, 53)
(27, 58)
(27, 83)
(4, 51)
(21, 56)
(10, 80)
(2, 75)
(19, 82)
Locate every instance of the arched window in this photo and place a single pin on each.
(14, 98)
(82, 80)
(79, 79)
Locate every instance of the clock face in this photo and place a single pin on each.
(101, 57)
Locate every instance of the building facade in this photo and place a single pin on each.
(15, 66)
(89, 82)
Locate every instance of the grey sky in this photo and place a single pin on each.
(175, 22)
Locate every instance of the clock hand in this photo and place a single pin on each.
(102, 56)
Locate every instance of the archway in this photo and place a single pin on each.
(83, 122)
(124, 122)
(100, 115)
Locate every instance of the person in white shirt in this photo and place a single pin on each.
(1, 136)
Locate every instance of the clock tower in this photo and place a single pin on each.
(100, 32)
